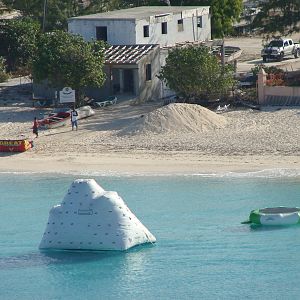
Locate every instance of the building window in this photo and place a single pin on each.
(180, 24)
(164, 27)
(148, 72)
(199, 22)
(101, 33)
(146, 31)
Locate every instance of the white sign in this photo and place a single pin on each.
(67, 95)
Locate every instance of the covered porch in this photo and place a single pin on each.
(130, 73)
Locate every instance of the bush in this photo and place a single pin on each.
(196, 74)
(3, 75)
(275, 75)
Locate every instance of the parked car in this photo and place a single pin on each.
(280, 48)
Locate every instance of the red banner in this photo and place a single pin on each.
(15, 145)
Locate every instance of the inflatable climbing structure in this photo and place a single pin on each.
(90, 218)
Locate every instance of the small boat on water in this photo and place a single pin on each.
(274, 216)
(15, 145)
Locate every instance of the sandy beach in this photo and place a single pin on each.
(139, 139)
(148, 139)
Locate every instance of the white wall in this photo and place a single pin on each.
(151, 89)
(190, 30)
(127, 32)
(119, 32)
(264, 91)
(289, 91)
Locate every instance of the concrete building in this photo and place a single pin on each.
(141, 31)
(163, 25)
(148, 28)
(131, 70)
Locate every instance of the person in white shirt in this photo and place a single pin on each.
(74, 117)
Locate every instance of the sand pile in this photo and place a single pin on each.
(177, 117)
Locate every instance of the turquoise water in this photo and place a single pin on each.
(202, 249)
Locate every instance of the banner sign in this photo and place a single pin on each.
(15, 145)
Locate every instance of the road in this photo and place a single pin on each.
(288, 64)
(250, 57)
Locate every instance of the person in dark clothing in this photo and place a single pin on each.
(35, 127)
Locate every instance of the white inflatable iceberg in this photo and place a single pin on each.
(90, 218)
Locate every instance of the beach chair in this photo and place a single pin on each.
(110, 101)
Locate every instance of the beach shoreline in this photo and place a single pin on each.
(145, 164)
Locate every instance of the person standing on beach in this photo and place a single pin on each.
(35, 127)
(74, 117)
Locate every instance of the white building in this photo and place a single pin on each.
(137, 37)
(163, 25)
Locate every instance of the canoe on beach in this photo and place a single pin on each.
(60, 118)
(56, 120)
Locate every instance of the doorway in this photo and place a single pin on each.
(128, 81)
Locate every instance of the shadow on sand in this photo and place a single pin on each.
(6, 154)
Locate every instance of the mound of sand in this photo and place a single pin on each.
(177, 117)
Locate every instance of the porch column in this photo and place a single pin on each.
(121, 80)
(136, 83)
(261, 82)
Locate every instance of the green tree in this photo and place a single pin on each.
(63, 60)
(18, 42)
(98, 6)
(27, 7)
(193, 72)
(51, 14)
(278, 16)
(3, 75)
(58, 12)
(224, 14)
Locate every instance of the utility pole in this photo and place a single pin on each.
(223, 52)
(44, 15)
